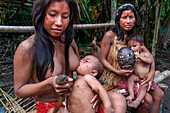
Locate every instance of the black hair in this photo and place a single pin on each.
(117, 28)
(43, 46)
(99, 67)
(135, 37)
(99, 38)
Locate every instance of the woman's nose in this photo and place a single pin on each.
(128, 20)
(58, 21)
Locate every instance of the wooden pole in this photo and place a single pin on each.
(15, 29)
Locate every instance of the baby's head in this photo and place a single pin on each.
(90, 65)
(135, 42)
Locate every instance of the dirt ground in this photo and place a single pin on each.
(162, 63)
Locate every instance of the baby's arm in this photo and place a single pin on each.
(98, 88)
(145, 57)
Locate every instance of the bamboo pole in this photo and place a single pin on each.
(16, 29)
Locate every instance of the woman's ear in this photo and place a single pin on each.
(94, 73)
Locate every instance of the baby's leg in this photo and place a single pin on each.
(157, 95)
(146, 106)
(141, 95)
(130, 82)
(118, 101)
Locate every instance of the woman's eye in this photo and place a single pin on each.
(65, 16)
(52, 14)
(131, 16)
(124, 17)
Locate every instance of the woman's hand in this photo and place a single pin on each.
(95, 101)
(147, 79)
(62, 89)
(125, 73)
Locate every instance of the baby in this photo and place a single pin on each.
(86, 86)
(141, 68)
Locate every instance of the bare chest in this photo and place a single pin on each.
(60, 63)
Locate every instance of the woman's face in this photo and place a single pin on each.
(57, 18)
(127, 20)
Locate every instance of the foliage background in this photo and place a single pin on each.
(150, 13)
(18, 13)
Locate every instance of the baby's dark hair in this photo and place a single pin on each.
(135, 37)
(99, 67)
(99, 38)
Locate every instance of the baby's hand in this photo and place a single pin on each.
(136, 55)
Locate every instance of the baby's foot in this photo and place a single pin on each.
(134, 104)
(129, 98)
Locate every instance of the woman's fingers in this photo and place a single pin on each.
(149, 87)
(63, 91)
(94, 98)
(96, 103)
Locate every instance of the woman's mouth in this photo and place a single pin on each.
(58, 31)
(128, 26)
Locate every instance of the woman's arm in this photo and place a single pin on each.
(104, 51)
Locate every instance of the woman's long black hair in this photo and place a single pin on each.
(117, 28)
(43, 49)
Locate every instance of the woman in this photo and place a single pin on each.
(51, 51)
(125, 21)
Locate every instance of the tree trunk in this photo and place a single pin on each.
(158, 13)
(113, 10)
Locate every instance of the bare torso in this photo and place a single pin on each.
(79, 100)
(141, 69)
(59, 67)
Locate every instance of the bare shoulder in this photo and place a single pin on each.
(89, 78)
(109, 36)
(24, 47)
(26, 44)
